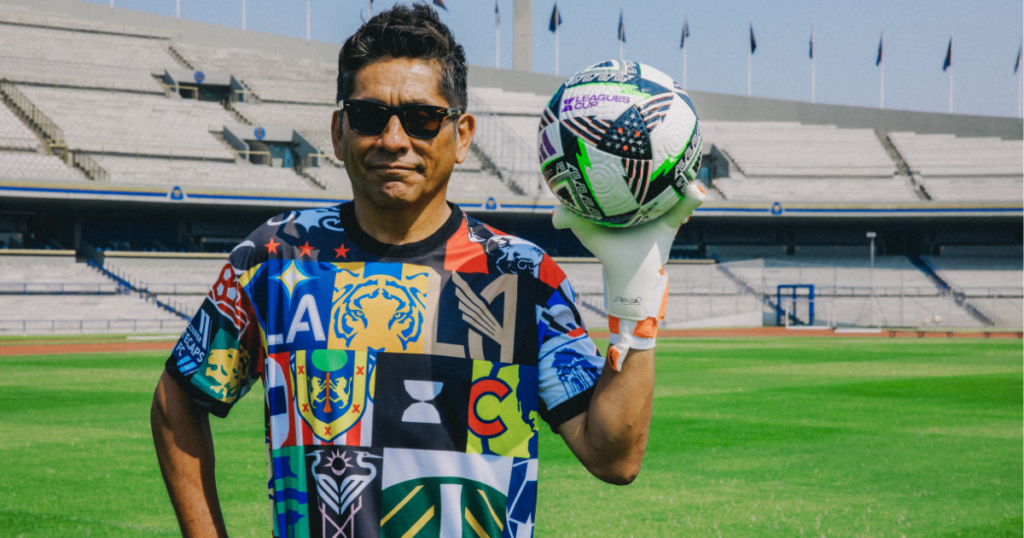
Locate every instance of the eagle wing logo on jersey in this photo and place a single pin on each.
(382, 305)
(331, 389)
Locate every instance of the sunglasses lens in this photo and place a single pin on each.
(367, 119)
(421, 122)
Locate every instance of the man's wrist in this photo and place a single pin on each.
(628, 334)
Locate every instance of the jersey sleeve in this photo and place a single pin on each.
(569, 363)
(220, 355)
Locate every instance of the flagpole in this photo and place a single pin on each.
(1020, 51)
(307, 20)
(557, 15)
(369, 9)
(812, 64)
(951, 72)
(177, 8)
(497, 37)
(685, 28)
(243, 13)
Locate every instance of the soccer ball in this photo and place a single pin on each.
(619, 143)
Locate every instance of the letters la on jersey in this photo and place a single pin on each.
(403, 396)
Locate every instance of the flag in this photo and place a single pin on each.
(497, 14)
(440, 4)
(686, 33)
(622, 28)
(1016, 66)
(878, 60)
(949, 56)
(753, 44)
(811, 52)
(556, 19)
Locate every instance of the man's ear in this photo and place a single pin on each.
(336, 138)
(465, 128)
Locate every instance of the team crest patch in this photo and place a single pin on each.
(503, 417)
(225, 370)
(331, 389)
(380, 304)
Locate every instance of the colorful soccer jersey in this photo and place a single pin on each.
(403, 384)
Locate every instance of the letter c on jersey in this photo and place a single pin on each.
(481, 426)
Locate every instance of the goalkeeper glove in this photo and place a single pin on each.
(636, 287)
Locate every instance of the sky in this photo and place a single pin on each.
(986, 39)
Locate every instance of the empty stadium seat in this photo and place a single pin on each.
(25, 165)
(14, 134)
(134, 123)
(44, 50)
(240, 175)
(273, 77)
(789, 149)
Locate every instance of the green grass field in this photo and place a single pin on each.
(773, 437)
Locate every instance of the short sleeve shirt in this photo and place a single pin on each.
(404, 385)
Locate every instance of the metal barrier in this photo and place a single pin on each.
(83, 326)
(91, 168)
(57, 288)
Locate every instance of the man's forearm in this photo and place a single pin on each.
(610, 438)
(184, 447)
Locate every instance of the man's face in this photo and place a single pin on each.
(392, 169)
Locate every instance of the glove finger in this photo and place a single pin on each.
(564, 218)
(693, 197)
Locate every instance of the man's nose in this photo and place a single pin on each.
(394, 138)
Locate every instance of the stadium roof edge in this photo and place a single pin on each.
(711, 106)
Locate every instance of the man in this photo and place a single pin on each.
(407, 351)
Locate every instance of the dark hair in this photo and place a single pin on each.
(405, 32)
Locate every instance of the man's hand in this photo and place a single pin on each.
(636, 287)
(184, 447)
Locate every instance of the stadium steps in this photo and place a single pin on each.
(44, 128)
(958, 295)
(488, 166)
(229, 106)
(180, 58)
(129, 287)
(901, 165)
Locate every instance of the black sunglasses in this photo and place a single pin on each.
(419, 121)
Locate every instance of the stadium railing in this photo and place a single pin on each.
(88, 326)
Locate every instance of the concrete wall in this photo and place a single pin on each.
(710, 106)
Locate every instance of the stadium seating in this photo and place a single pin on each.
(24, 165)
(893, 189)
(50, 274)
(53, 294)
(273, 77)
(790, 149)
(948, 155)
(41, 50)
(181, 283)
(198, 173)
(134, 123)
(14, 134)
(85, 313)
(964, 169)
(312, 120)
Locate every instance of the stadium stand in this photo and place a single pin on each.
(814, 190)
(45, 50)
(134, 123)
(272, 77)
(790, 149)
(181, 283)
(160, 170)
(956, 169)
(24, 165)
(52, 293)
(14, 134)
